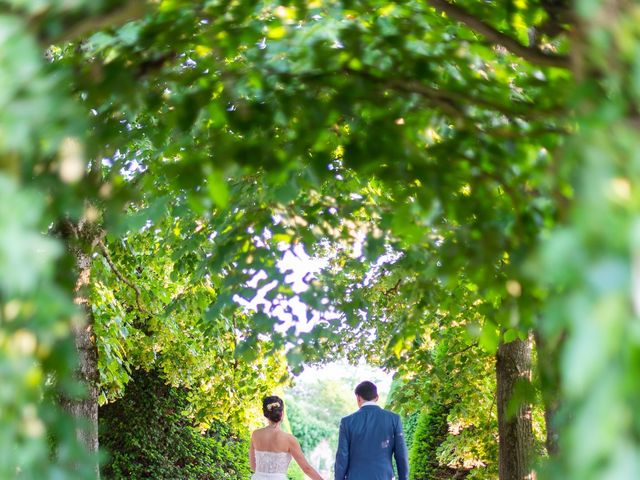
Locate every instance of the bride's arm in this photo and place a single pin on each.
(298, 456)
(252, 455)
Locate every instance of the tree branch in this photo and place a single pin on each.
(468, 347)
(130, 11)
(394, 289)
(122, 278)
(452, 102)
(530, 54)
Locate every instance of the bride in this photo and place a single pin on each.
(271, 449)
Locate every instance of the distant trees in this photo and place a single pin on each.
(315, 408)
(308, 429)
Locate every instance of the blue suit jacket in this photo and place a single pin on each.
(369, 438)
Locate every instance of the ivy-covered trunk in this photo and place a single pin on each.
(513, 365)
(84, 408)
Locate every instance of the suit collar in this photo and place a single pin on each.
(369, 404)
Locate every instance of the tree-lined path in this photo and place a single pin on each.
(465, 174)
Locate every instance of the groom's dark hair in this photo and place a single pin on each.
(367, 390)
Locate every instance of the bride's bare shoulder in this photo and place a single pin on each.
(257, 433)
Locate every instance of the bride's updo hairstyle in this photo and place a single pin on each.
(273, 408)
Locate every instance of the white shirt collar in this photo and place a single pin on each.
(364, 404)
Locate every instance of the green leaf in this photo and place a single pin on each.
(218, 189)
(510, 335)
(489, 337)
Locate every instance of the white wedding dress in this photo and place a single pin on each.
(271, 465)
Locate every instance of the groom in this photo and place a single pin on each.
(368, 440)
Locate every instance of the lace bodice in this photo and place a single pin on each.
(272, 462)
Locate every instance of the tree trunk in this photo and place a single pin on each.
(513, 365)
(84, 408)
